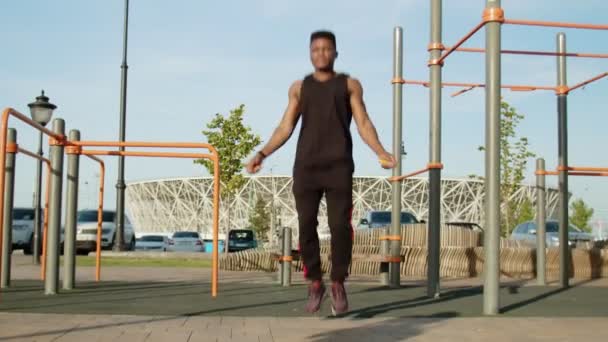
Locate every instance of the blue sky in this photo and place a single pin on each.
(191, 59)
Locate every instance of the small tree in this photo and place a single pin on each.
(525, 212)
(581, 214)
(234, 142)
(514, 155)
(259, 219)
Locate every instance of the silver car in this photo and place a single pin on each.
(152, 243)
(527, 232)
(185, 242)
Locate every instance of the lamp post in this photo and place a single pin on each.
(41, 111)
(120, 184)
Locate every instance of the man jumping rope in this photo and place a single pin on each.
(327, 101)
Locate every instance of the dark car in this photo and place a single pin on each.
(377, 219)
(241, 239)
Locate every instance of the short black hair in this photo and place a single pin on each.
(323, 34)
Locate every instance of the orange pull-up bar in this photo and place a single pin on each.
(6, 114)
(415, 173)
(76, 147)
(576, 171)
(470, 86)
(537, 53)
(497, 15)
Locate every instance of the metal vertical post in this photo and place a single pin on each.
(69, 254)
(120, 184)
(286, 256)
(51, 281)
(280, 263)
(38, 206)
(541, 278)
(385, 252)
(562, 112)
(492, 167)
(9, 192)
(395, 245)
(434, 225)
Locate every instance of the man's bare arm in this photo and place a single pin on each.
(290, 118)
(366, 128)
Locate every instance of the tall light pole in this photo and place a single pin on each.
(120, 184)
(41, 111)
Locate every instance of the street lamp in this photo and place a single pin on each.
(41, 111)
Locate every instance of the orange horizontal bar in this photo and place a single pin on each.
(479, 85)
(597, 174)
(588, 169)
(390, 238)
(146, 154)
(460, 42)
(140, 144)
(546, 173)
(584, 83)
(471, 86)
(33, 155)
(539, 53)
(572, 173)
(556, 24)
(32, 123)
(415, 173)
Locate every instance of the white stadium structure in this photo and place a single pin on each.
(169, 205)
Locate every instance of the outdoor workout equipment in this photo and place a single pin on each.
(73, 147)
(492, 19)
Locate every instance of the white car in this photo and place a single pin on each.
(86, 231)
(185, 242)
(152, 243)
(23, 229)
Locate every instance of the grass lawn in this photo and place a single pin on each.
(142, 262)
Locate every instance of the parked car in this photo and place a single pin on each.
(86, 231)
(185, 242)
(241, 239)
(23, 230)
(152, 243)
(527, 232)
(376, 219)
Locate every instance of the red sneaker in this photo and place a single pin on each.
(338, 298)
(316, 291)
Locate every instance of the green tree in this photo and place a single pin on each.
(234, 141)
(525, 212)
(581, 214)
(259, 219)
(514, 157)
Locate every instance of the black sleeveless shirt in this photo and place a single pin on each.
(326, 114)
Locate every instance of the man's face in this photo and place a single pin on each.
(322, 54)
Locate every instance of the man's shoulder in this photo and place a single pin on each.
(353, 83)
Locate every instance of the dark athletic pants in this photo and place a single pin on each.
(309, 185)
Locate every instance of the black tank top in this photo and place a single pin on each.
(326, 114)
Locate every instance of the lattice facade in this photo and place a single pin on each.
(186, 204)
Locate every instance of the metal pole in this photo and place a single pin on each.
(434, 225)
(9, 192)
(120, 184)
(38, 206)
(280, 267)
(541, 278)
(492, 167)
(562, 112)
(287, 253)
(384, 266)
(51, 281)
(69, 251)
(395, 245)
